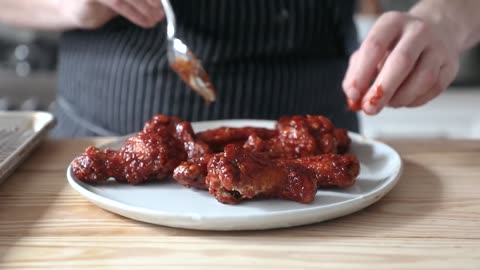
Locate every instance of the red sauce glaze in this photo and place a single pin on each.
(354, 105)
(238, 174)
(289, 162)
(184, 68)
(189, 69)
(377, 96)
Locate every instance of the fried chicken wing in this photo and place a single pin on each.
(91, 166)
(330, 170)
(342, 140)
(289, 162)
(294, 137)
(317, 128)
(192, 173)
(182, 131)
(145, 156)
(218, 138)
(237, 174)
(151, 154)
(301, 136)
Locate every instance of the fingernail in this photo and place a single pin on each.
(369, 108)
(353, 93)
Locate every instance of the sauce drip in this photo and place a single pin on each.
(354, 105)
(377, 96)
(195, 77)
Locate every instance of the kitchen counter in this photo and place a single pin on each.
(430, 220)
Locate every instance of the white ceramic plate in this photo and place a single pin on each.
(170, 204)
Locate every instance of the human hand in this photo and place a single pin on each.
(91, 14)
(410, 61)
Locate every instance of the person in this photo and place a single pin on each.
(266, 58)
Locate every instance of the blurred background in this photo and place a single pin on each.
(28, 82)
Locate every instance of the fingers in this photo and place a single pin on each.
(410, 60)
(446, 75)
(155, 6)
(349, 82)
(353, 96)
(422, 79)
(151, 9)
(154, 3)
(397, 67)
(363, 64)
(145, 13)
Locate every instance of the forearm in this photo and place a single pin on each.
(36, 14)
(460, 17)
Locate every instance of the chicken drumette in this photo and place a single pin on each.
(151, 154)
(289, 162)
(238, 174)
(192, 172)
(145, 156)
(293, 137)
(218, 138)
(301, 136)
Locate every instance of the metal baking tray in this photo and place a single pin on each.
(20, 133)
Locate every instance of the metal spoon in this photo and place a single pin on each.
(183, 61)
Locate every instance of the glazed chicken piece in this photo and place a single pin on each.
(92, 165)
(237, 174)
(218, 138)
(343, 142)
(145, 156)
(192, 173)
(168, 144)
(303, 136)
(182, 131)
(330, 170)
(151, 154)
(294, 137)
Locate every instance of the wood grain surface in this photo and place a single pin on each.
(430, 220)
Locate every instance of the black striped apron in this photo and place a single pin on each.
(266, 58)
